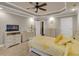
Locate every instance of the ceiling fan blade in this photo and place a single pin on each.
(44, 4)
(42, 9)
(31, 8)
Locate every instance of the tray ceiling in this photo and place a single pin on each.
(52, 7)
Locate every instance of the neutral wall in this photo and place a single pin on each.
(74, 17)
(50, 27)
(6, 18)
(26, 24)
(53, 28)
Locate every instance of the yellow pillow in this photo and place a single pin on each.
(65, 41)
(58, 38)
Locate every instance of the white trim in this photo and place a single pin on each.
(14, 11)
(65, 15)
(26, 14)
(59, 12)
(55, 12)
(21, 9)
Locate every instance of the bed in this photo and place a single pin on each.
(46, 46)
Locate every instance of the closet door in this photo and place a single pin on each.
(66, 26)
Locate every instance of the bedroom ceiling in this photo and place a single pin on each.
(52, 7)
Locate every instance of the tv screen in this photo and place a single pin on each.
(12, 27)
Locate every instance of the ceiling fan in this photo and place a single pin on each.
(37, 6)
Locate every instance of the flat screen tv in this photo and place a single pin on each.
(12, 27)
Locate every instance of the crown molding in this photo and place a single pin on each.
(13, 10)
(21, 9)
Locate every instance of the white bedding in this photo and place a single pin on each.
(47, 45)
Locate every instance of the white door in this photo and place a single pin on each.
(38, 28)
(66, 26)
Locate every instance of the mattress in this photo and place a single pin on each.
(47, 45)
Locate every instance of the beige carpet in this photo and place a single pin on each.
(18, 50)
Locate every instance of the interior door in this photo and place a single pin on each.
(38, 28)
(66, 26)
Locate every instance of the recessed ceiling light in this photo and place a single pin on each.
(1, 8)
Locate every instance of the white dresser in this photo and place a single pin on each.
(12, 38)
